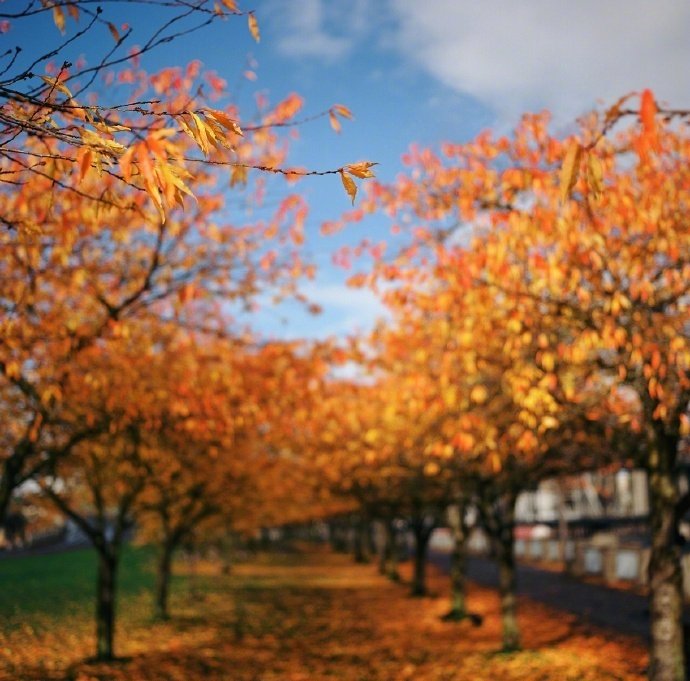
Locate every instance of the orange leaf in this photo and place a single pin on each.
(648, 111)
(85, 160)
(253, 26)
(59, 19)
(350, 186)
(342, 111)
(225, 120)
(114, 32)
(570, 169)
(361, 170)
(335, 123)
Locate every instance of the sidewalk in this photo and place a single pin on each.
(625, 612)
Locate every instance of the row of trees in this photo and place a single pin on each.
(540, 327)
(538, 304)
(129, 395)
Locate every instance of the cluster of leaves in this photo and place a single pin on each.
(375, 632)
(540, 315)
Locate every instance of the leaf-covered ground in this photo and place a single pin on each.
(301, 617)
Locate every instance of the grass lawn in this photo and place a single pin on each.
(297, 617)
(56, 585)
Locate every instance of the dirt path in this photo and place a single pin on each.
(314, 616)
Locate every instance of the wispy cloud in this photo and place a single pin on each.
(317, 28)
(558, 54)
(345, 310)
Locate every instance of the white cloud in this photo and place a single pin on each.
(518, 55)
(317, 28)
(345, 310)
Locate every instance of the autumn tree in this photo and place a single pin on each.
(112, 207)
(586, 233)
(98, 485)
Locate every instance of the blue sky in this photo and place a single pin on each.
(422, 72)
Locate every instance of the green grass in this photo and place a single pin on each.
(33, 588)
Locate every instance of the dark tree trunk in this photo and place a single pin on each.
(389, 556)
(105, 603)
(458, 564)
(361, 541)
(384, 548)
(562, 525)
(665, 576)
(499, 518)
(340, 538)
(421, 544)
(163, 575)
(11, 475)
(506, 586)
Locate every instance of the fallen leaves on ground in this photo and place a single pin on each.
(306, 617)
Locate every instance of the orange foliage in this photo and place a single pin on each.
(335, 621)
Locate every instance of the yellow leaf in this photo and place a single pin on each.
(431, 468)
(595, 175)
(371, 436)
(185, 127)
(59, 19)
(335, 123)
(109, 146)
(350, 186)
(478, 394)
(342, 111)
(224, 120)
(85, 156)
(13, 370)
(548, 361)
(200, 137)
(230, 4)
(570, 170)
(55, 84)
(361, 170)
(253, 26)
(495, 463)
(549, 422)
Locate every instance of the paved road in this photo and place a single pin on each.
(622, 611)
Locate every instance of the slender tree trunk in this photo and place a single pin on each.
(163, 575)
(500, 514)
(665, 576)
(369, 539)
(11, 476)
(105, 603)
(384, 549)
(562, 524)
(389, 557)
(421, 544)
(361, 542)
(458, 564)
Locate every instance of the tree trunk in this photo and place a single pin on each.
(421, 544)
(11, 476)
(505, 553)
(666, 659)
(105, 603)
(458, 564)
(163, 574)
(384, 548)
(361, 542)
(392, 551)
(562, 525)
